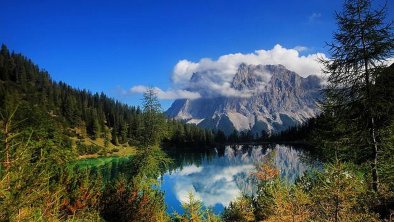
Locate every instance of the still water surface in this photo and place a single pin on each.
(219, 176)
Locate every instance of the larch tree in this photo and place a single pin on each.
(361, 47)
(153, 120)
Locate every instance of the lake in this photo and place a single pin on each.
(218, 176)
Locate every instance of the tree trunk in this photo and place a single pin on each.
(368, 105)
(372, 133)
(375, 178)
(336, 219)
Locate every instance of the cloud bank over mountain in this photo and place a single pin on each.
(212, 78)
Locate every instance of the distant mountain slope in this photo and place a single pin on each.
(275, 98)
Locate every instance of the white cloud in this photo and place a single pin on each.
(168, 94)
(206, 187)
(138, 89)
(212, 183)
(181, 68)
(300, 48)
(314, 17)
(187, 170)
(214, 77)
(225, 67)
(389, 61)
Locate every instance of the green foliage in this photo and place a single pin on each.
(288, 202)
(84, 149)
(81, 190)
(33, 161)
(128, 201)
(188, 135)
(385, 105)
(360, 48)
(154, 129)
(133, 196)
(387, 158)
(149, 165)
(338, 193)
(194, 212)
(93, 126)
(299, 133)
(240, 210)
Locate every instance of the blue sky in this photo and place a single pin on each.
(112, 45)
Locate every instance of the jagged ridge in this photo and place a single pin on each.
(279, 98)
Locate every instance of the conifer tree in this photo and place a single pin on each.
(361, 45)
(153, 129)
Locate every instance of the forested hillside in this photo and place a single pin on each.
(80, 114)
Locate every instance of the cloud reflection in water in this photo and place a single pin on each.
(218, 180)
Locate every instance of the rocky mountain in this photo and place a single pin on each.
(272, 98)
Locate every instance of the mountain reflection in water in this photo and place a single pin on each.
(218, 177)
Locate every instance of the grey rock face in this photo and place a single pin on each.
(277, 99)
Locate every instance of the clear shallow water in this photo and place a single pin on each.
(221, 175)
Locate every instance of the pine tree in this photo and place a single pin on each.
(114, 137)
(4, 59)
(93, 126)
(153, 129)
(240, 210)
(360, 48)
(193, 211)
(336, 195)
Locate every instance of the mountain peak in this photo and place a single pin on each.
(252, 77)
(279, 98)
